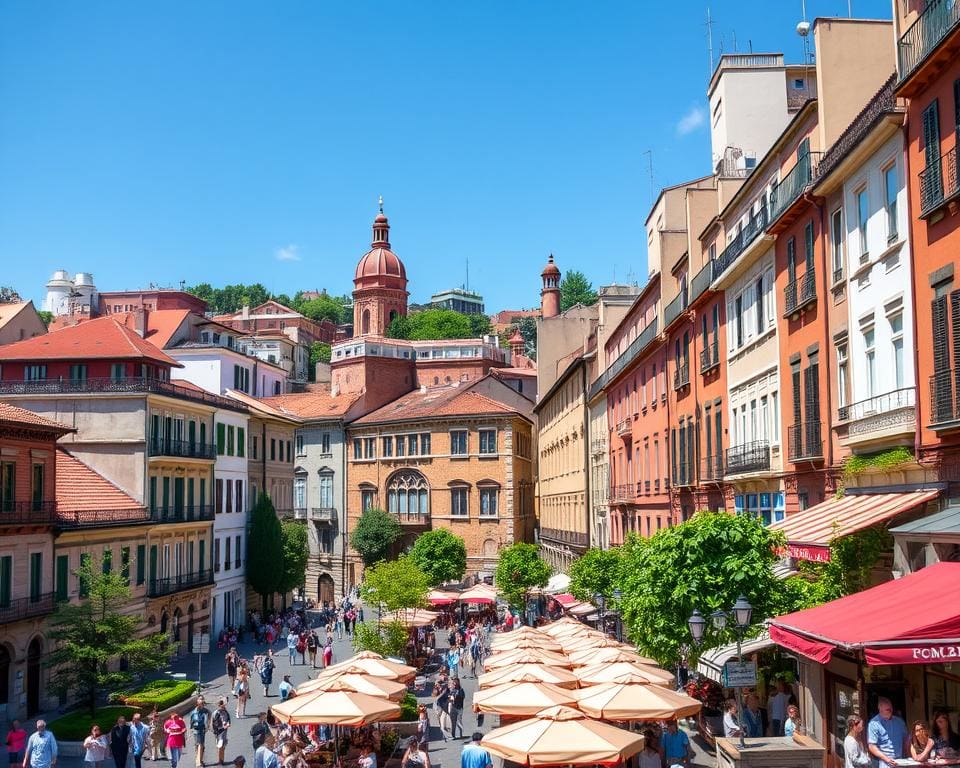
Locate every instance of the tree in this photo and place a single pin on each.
(849, 569)
(479, 325)
(92, 636)
(576, 289)
(47, 317)
(388, 638)
(395, 584)
(319, 353)
(596, 571)
(703, 564)
(375, 534)
(322, 308)
(528, 329)
(8, 295)
(431, 324)
(265, 550)
(296, 551)
(519, 569)
(440, 555)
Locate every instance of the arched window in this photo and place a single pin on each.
(393, 315)
(365, 322)
(408, 494)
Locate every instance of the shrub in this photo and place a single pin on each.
(75, 726)
(408, 708)
(161, 694)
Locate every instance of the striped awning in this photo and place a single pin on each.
(810, 532)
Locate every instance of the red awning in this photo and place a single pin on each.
(565, 599)
(913, 620)
(810, 532)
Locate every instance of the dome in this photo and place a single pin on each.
(551, 268)
(380, 262)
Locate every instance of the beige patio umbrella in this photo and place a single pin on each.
(623, 672)
(588, 656)
(522, 698)
(619, 701)
(525, 656)
(562, 736)
(479, 593)
(561, 625)
(335, 708)
(413, 617)
(527, 641)
(370, 663)
(528, 673)
(356, 683)
(521, 631)
(580, 642)
(442, 597)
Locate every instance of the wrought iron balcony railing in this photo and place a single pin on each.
(800, 292)
(197, 513)
(944, 402)
(889, 401)
(804, 441)
(684, 474)
(711, 469)
(701, 282)
(681, 375)
(28, 512)
(181, 583)
(101, 518)
(636, 348)
(792, 185)
(672, 311)
(748, 457)
(755, 226)
(939, 19)
(939, 182)
(621, 493)
(27, 607)
(710, 357)
(182, 449)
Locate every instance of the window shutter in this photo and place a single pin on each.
(931, 133)
(812, 393)
(941, 334)
(797, 412)
(792, 259)
(808, 244)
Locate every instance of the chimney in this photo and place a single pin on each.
(322, 373)
(245, 312)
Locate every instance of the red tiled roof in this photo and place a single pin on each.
(13, 414)
(437, 402)
(80, 488)
(163, 323)
(104, 337)
(317, 404)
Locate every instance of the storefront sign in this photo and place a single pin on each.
(739, 674)
(813, 554)
(914, 654)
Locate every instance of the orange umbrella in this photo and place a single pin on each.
(521, 698)
(581, 642)
(623, 672)
(562, 736)
(525, 656)
(335, 708)
(441, 597)
(528, 673)
(370, 663)
(561, 625)
(619, 701)
(526, 641)
(589, 656)
(357, 683)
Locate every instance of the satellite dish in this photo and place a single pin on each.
(803, 28)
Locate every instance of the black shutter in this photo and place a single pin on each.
(808, 244)
(932, 179)
(718, 433)
(942, 394)
(797, 411)
(792, 259)
(673, 450)
(691, 450)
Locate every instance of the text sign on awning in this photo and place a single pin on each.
(914, 654)
(740, 674)
(812, 554)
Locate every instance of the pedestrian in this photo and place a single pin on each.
(475, 756)
(676, 745)
(328, 653)
(139, 738)
(242, 690)
(176, 731)
(285, 688)
(232, 660)
(41, 749)
(423, 726)
(414, 757)
(887, 737)
(777, 708)
(339, 624)
(221, 725)
(199, 723)
(157, 736)
(312, 644)
(259, 730)
(456, 708)
(442, 705)
(265, 757)
(266, 673)
(649, 756)
(292, 647)
(95, 748)
(731, 726)
(302, 646)
(16, 741)
(120, 742)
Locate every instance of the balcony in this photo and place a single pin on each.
(800, 292)
(938, 20)
(710, 357)
(646, 486)
(684, 475)
(944, 403)
(101, 518)
(804, 442)
(173, 584)
(28, 607)
(672, 311)
(181, 449)
(755, 226)
(711, 469)
(412, 518)
(631, 353)
(939, 183)
(323, 514)
(28, 513)
(620, 494)
(887, 415)
(748, 457)
(681, 375)
(701, 282)
(792, 185)
(598, 445)
(197, 513)
(625, 427)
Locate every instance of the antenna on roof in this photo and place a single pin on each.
(709, 26)
(734, 41)
(467, 286)
(649, 154)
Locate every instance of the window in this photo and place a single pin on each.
(408, 494)
(425, 444)
(775, 413)
(369, 448)
(401, 446)
(289, 451)
(458, 502)
(488, 441)
(141, 563)
(36, 576)
(931, 148)
(83, 585)
(413, 445)
(890, 200)
(273, 449)
(863, 215)
(254, 446)
(62, 576)
(870, 359)
(896, 340)
(78, 373)
(326, 490)
(761, 320)
(241, 441)
(387, 447)
(808, 245)
(231, 435)
(35, 372)
(367, 499)
(118, 371)
(37, 493)
(357, 449)
(237, 550)
(216, 555)
(488, 502)
(280, 443)
(227, 565)
(842, 375)
(458, 442)
(836, 244)
(325, 442)
(125, 564)
(6, 580)
(738, 321)
(791, 259)
(300, 492)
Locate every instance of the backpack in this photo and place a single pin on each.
(312, 642)
(218, 722)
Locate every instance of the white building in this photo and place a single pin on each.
(70, 294)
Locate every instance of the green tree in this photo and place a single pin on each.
(8, 295)
(47, 317)
(395, 584)
(431, 324)
(319, 353)
(705, 563)
(479, 325)
(576, 289)
(849, 569)
(296, 551)
(265, 550)
(374, 535)
(519, 569)
(440, 555)
(388, 638)
(90, 638)
(528, 329)
(322, 308)
(596, 571)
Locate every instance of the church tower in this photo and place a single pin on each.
(550, 293)
(379, 284)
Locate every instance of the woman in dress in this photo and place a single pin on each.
(855, 754)
(157, 736)
(414, 757)
(95, 748)
(243, 689)
(921, 744)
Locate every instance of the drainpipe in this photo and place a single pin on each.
(586, 449)
(346, 517)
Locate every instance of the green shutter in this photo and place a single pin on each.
(125, 564)
(221, 438)
(153, 563)
(141, 563)
(36, 576)
(241, 442)
(6, 576)
(202, 562)
(63, 572)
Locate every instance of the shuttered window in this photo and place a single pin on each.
(808, 244)
(931, 150)
(791, 259)
(941, 334)
(797, 395)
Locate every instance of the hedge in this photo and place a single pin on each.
(161, 694)
(76, 725)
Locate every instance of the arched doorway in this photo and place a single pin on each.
(163, 621)
(177, 615)
(325, 589)
(34, 653)
(5, 660)
(190, 628)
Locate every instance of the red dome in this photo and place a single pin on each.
(380, 262)
(551, 268)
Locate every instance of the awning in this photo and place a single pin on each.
(565, 599)
(559, 582)
(581, 609)
(710, 664)
(944, 521)
(810, 532)
(913, 620)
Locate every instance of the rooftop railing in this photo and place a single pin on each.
(792, 185)
(755, 226)
(939, 19)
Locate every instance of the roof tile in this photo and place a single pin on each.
(13, 414)
(449, 400)
(81, 488)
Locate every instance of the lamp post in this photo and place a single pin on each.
(741, 613)
(602, 601)
(617, 594)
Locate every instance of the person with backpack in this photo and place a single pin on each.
(266, 672)
(312, 643)
(199, 722)
(221, 725)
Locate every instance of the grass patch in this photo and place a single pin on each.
(76, 726)
(157, 693)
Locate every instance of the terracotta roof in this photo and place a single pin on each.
(163, 323)
(437, 402)
(317, 404)
(104, 337)
(13, 414)
(80, 488)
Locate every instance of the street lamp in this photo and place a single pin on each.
(602, 601)
(617, 594)
(741, 613)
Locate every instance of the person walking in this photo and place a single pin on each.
(232, 662)
(41, 749)
(442, 705)
(292, 646)
(95, 748)
(456, 698)
(328, 653)
(139, 738)
(120, 742)
(313, 643)
(157, 736)
(266, 673)
(475, 756)
(199, 723)
(176, 730)
(16, 742)
(242, 690)
(259, 730)
(221, 725)
(676, 745)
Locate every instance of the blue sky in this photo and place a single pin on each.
(240, 141)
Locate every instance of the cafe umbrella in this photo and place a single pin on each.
(611, 655)
(630, 701)
(528, 673)
(521, 699)
(525, 656)
(623, 672)
(355, 682)
(370, 663)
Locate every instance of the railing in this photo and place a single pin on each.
(800, 292)
(684, 475)
(672, 311)
(938, 19)
(198, 513)
(132, 384)
(408, 518)
(681, 375)
(598, 445)
(804, 441)
(184, 449)
(172, 584)
(939, 183)
(621, 493)
(710, 357)
(323, 514)
(793, 184)
(890, 401)
(748, 457)
(637, 346)
(711, 468)
(944, 403)
(101, 518)
(756, 224)
(701, 282)
(624, 427)
(27, 607)
(28, 512)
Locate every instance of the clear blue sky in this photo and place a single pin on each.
(240, 141)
